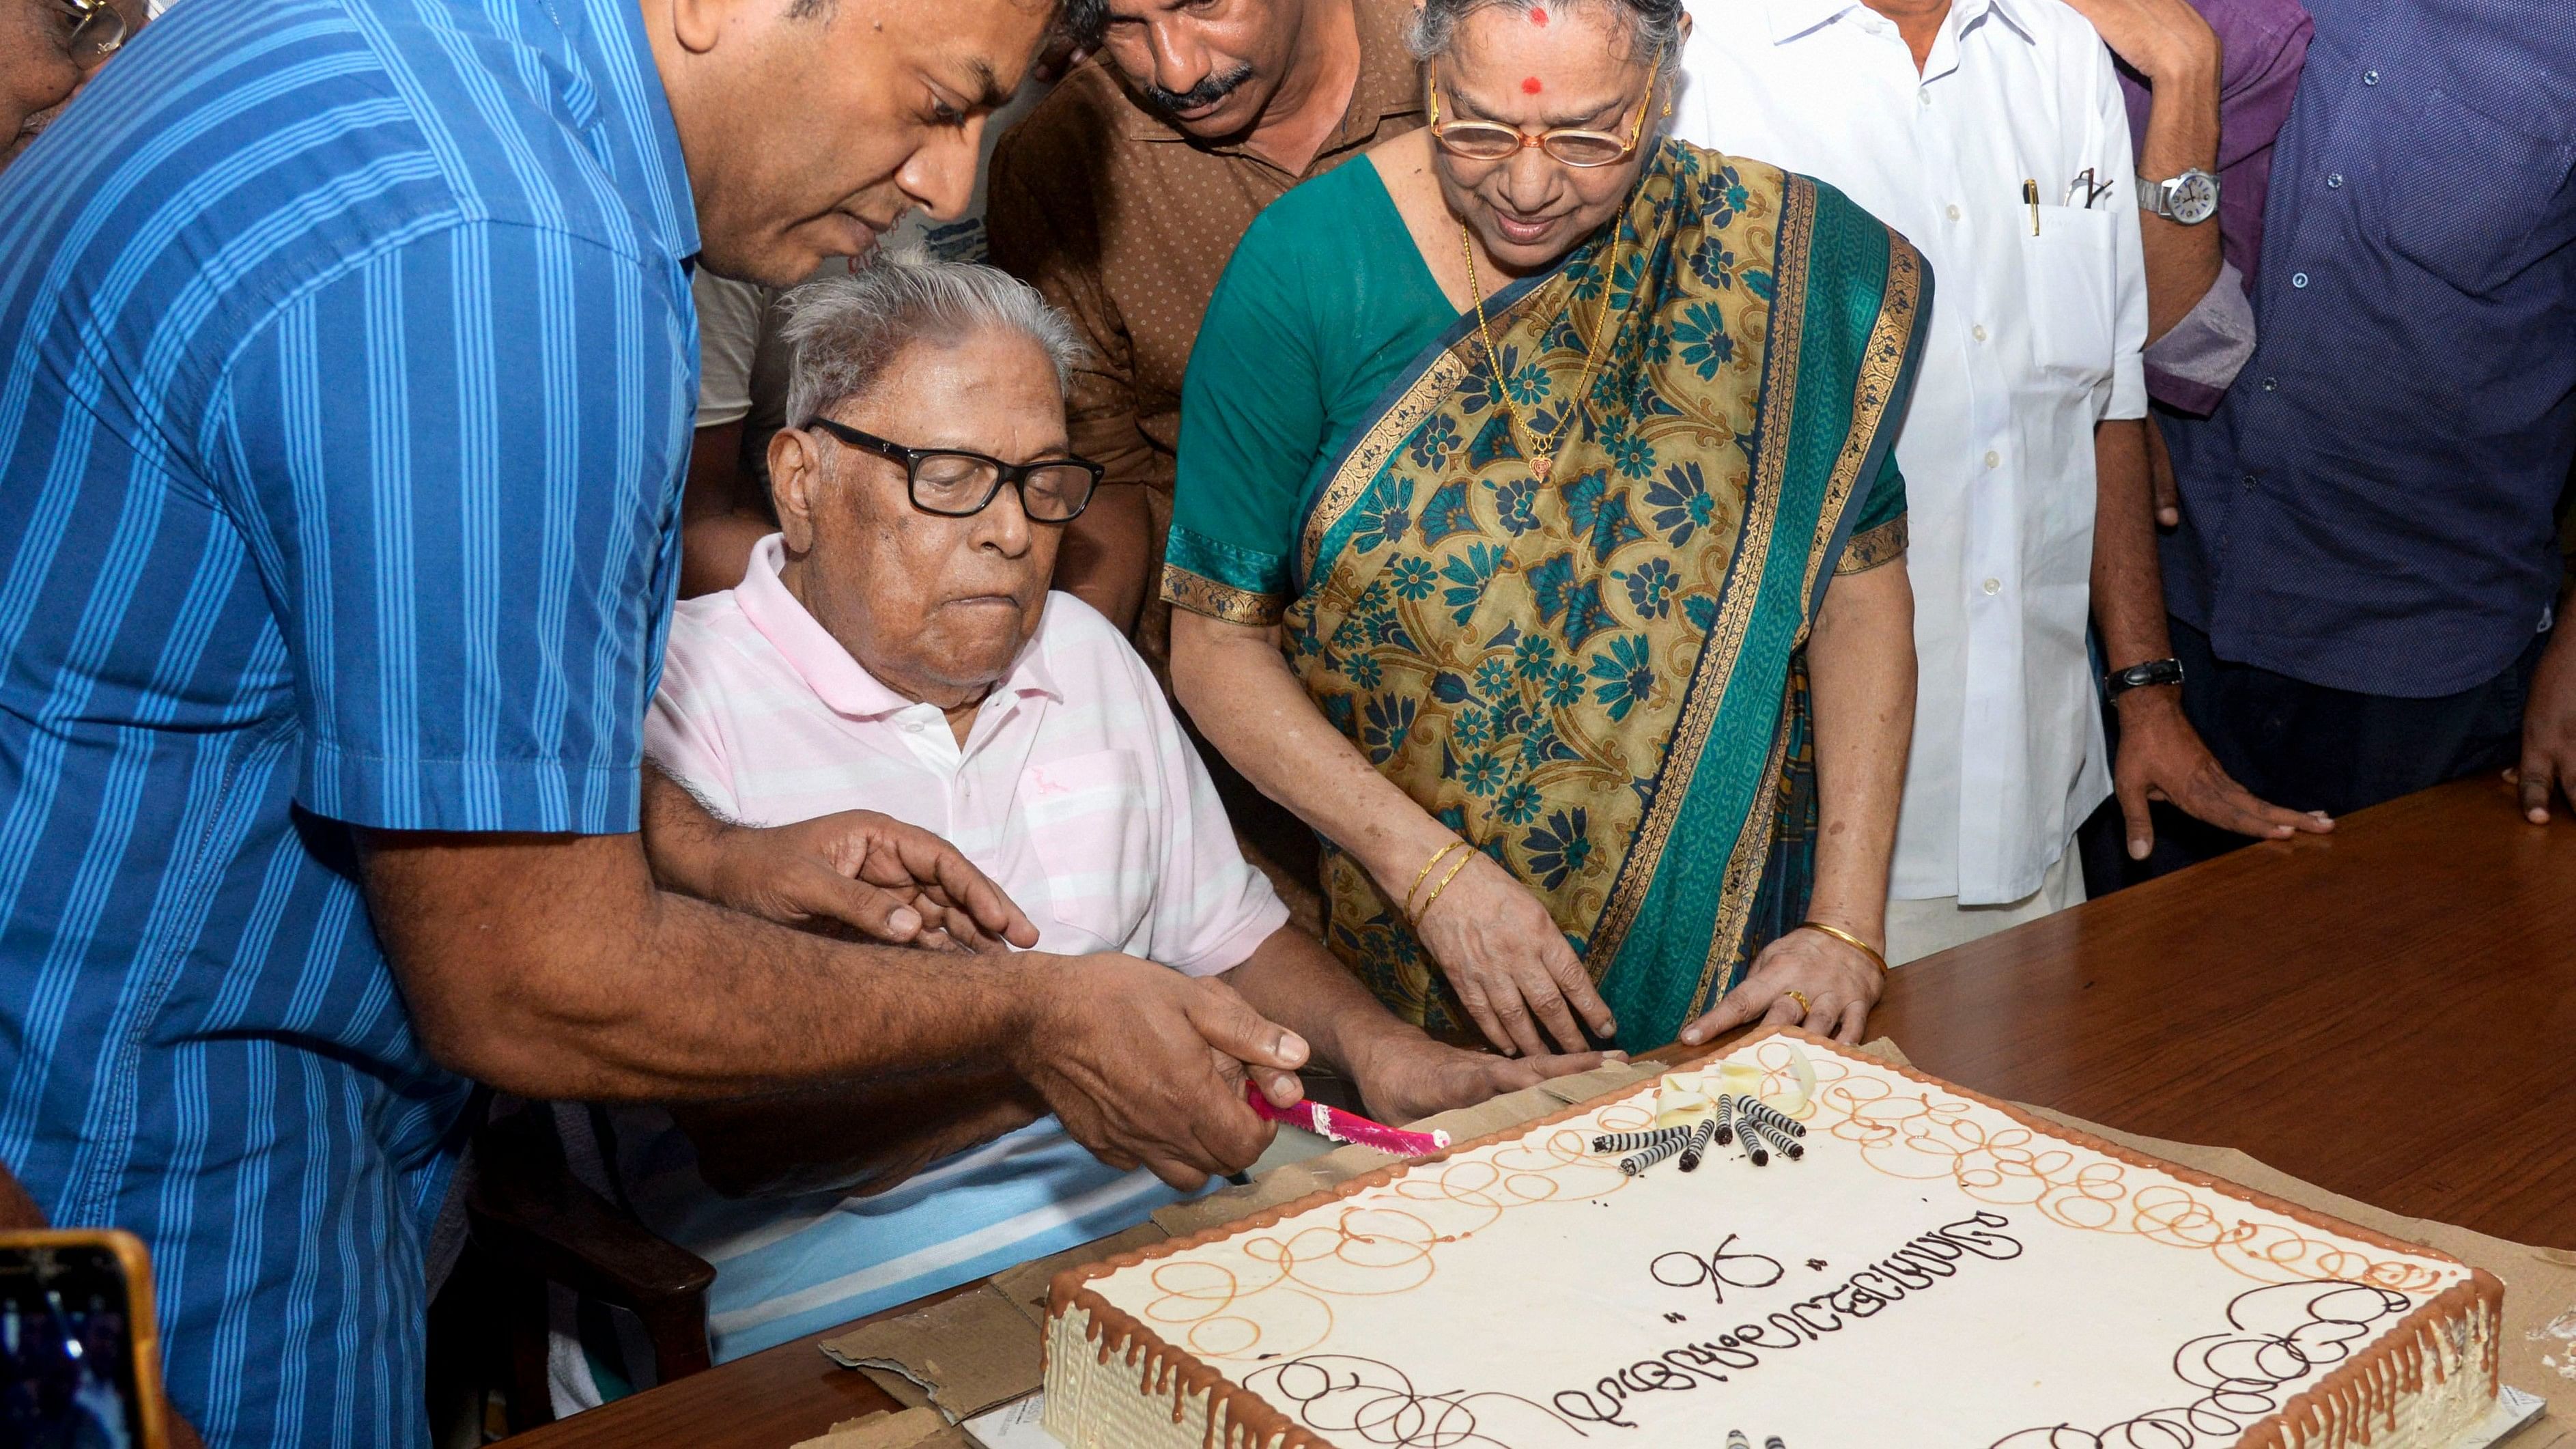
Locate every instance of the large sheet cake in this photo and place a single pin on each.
(1937, 1270)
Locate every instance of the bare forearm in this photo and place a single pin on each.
(1107, 552)
(1294, 981)
(2181, 133)
(553, 967)
(1860, 670)
(2128, 582)
(1239, 691)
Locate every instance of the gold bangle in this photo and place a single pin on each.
(1848, 939)
(1422, 875)
(1444, 885)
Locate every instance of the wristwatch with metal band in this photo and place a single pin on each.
(2139, 676)
(2188, 199)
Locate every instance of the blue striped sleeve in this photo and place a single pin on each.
(458, 464)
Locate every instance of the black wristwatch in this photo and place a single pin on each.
(2138, 676)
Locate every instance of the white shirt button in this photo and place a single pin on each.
(1993, 586)
(1978, 332)
(2298, 279)
(912, 726)
(1924, 96)
(1993, 460)
(1954, 212)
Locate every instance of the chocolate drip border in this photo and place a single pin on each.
(2332, 1412)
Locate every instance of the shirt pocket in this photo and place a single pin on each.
(2475, 207)
(2068, 268)
(1089, 823)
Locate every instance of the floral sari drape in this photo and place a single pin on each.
(1594, 678)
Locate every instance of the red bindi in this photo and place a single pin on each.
(1538, 16)
(1530, 86)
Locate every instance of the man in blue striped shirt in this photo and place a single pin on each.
(346, 361)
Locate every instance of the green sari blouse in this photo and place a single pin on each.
(1594, 677)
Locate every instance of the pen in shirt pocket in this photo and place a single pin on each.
(2030, 198)
(2088, 187)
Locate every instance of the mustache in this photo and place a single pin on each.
(1206, 93)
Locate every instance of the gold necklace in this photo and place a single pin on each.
(1541, 454)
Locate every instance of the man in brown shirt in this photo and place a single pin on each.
(1124, 193)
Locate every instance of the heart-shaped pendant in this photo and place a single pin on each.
(1539, 464)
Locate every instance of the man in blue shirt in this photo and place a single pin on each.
(2367, 567)
(346, 362)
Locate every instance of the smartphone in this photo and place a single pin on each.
(80, 1359)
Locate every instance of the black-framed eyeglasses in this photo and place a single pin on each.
(97, 30)
(955, 483)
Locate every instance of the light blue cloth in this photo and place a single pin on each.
(346, 360)
(787, 1267)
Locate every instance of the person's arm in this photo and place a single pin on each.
(2169, 43)
(721, 512)
(1050, 239)
(2161, 757)
(890, 881)
(552, 967)
(1860, 670)
(1497, 944)
(2548, 766)
(470, 634)
(719, 519)
(1402, 1074)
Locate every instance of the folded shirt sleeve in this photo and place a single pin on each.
(2191, 366)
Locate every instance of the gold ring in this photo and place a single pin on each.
(1799, 997)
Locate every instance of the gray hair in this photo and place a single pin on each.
(1654, 26)
(847, 330)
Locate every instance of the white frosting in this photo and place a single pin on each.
(1933, 1272)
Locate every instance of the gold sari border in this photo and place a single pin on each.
(1725, 641)
(1202, 595)
(1359, 467)
(1882, 367)
(1884, 544)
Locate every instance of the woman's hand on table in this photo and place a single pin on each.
(1408, 1077)
(1840, 984)
(1508, 962)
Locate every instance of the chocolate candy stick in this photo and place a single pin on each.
(1638, 1162)
(1751, 1139)
(1735, 1440)
(1781, 1142)
(1635, 1141)
(1770, 1116)
(1698, 1143)
(1725, 1121)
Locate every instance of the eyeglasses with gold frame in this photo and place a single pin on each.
(1573, 145)
(98, 30)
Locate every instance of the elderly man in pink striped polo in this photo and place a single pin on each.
(895, 648)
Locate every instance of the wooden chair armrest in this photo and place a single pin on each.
(528, 1212)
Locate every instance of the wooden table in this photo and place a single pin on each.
(2389, 1012)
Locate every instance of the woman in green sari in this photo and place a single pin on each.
(1539, 541)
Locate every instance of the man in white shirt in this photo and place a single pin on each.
(1992, 134)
